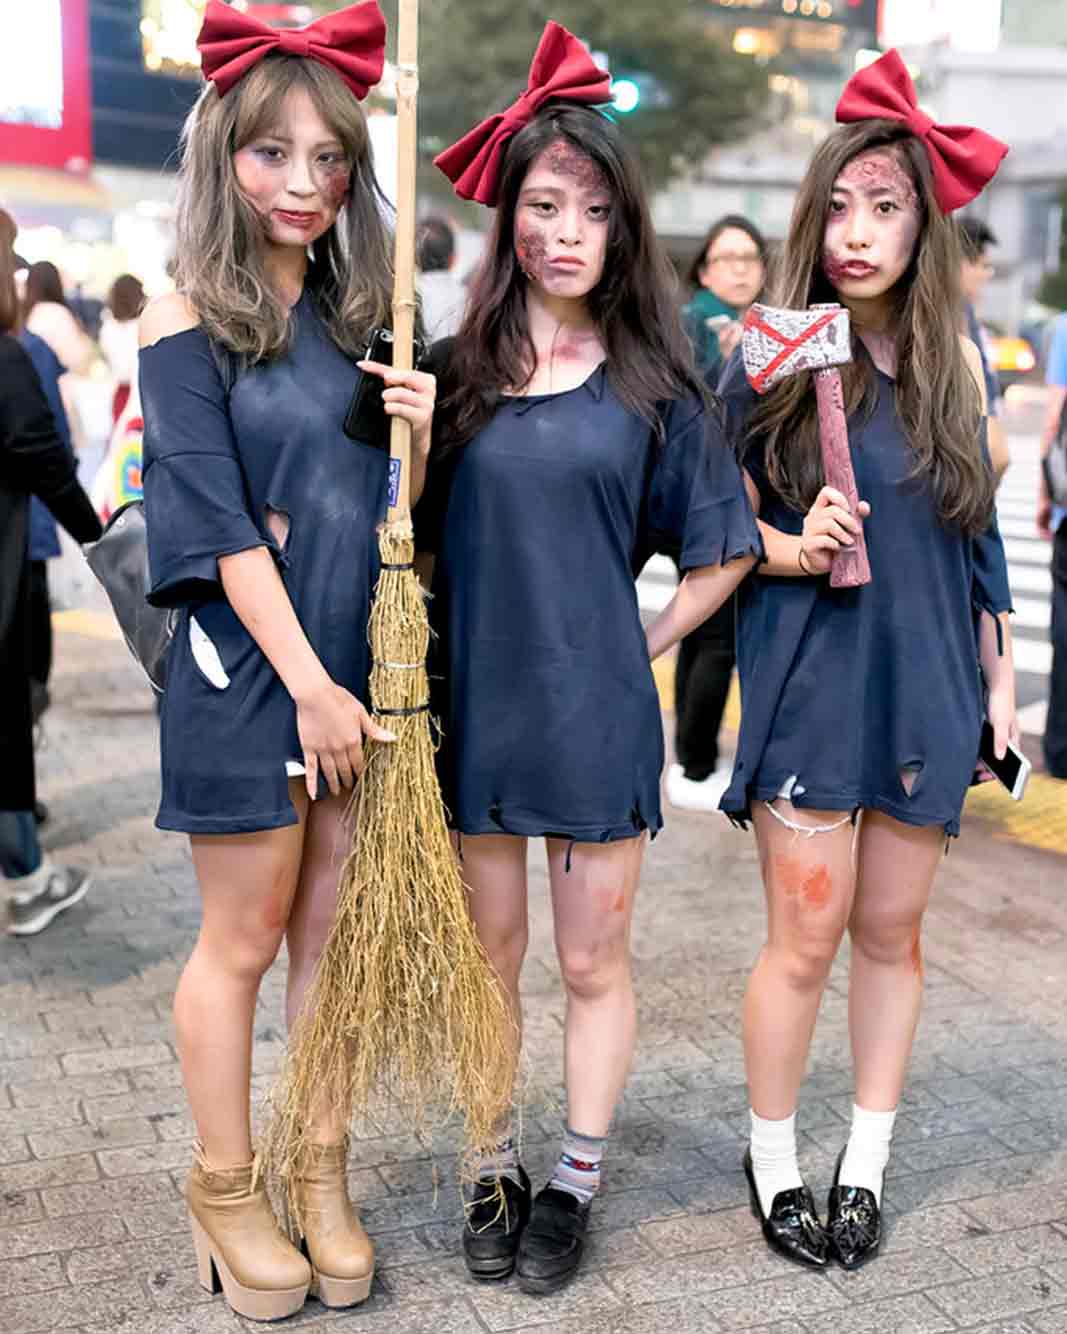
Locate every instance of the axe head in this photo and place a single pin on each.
(777, 343)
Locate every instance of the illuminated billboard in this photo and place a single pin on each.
(44, 87)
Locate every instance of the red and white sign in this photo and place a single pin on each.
(45, 99)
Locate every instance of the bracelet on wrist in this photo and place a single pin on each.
(800, 560)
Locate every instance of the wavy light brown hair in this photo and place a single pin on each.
(219, 263)
(937, 399)
(634, 306)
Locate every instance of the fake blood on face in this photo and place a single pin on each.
(531, 247)
(566, 160)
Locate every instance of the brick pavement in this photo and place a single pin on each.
(95, 1138)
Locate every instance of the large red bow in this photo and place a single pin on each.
(964, 160)
(352, 42)
(562, 68)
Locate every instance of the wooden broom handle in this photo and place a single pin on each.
(407, 90)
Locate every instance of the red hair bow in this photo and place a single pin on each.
(352, 42)
(964, 160)
(562, 68)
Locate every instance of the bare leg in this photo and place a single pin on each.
(897, 865)
(494, 868)
(247, 883)
(592, 906)
(809, 884)
(314, 907)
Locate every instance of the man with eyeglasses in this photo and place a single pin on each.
(976, 237)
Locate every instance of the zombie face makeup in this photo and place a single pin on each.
(872, 226)
(296, 176)
(562, 222)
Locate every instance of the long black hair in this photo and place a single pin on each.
(634, 305)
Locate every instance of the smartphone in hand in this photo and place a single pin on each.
(1012, 771)
(367, 420)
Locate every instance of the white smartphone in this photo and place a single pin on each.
(717, 322)
(1012, 771)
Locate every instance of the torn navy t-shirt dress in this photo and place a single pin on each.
(545, 694)
(842, 690)
(216, 464)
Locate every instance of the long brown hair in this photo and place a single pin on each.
(9, 303)
(43, 283)
(219, 263)
(634, 306)
(937, 399)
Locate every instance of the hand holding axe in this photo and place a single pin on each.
(777, 343)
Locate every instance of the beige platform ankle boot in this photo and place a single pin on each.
(341, 1253)
(239, 1245)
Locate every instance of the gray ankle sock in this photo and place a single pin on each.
(578, 1168)
(502, 1162)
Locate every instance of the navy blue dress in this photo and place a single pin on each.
(550, 717)
(842, 689)
(215, 464)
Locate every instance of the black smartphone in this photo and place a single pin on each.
(1013, 770)
(366, 419)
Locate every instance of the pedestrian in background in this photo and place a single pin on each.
(1052, 524)
(45, 312)
(729, 271)
(976, 237)
(118, 337)
(576, 437)
(262, 519)
(862, 707)
(34, 459)
(442, 295)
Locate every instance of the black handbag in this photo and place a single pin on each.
(119, 559)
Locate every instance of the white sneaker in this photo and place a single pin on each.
(688, 795)
(36, 899)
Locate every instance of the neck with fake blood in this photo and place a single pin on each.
(562, 332)
(874, 321)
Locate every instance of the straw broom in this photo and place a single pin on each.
(405, 1004)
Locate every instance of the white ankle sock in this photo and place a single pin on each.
(868, 1150)
(774, 1157)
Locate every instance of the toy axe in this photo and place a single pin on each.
(777, 343)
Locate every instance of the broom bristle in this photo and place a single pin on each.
(405, 1005)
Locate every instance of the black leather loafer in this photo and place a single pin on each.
(792, 1228)
(854, 1222)
(494, 1225)
(552, 1244)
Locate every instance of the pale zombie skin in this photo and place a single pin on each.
(296, 176)
(563, 213)
(872, 225)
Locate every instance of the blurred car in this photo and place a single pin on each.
(1013, 359)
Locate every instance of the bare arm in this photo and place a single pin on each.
(999, 670)
(999, 455)
(700, 594)
(828, 526)
(1057, 394)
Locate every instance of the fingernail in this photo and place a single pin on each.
(388, 736)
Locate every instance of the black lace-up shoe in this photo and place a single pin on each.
(494, 1225)
(854, 1222)
(792, 1228)
(552, 1244)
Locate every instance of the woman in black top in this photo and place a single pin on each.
(33, 460)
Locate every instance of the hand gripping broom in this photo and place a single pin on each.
(404, 1005)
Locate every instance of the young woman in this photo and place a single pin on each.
(728, 271)
(261, 525)
(576, 439)
(863, 702)
(118, 337)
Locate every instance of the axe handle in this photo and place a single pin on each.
(850, 568)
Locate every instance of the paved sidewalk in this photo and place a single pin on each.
(96, 1138)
